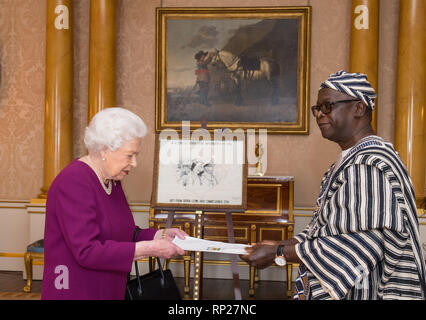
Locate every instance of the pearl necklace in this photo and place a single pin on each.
(108, 189)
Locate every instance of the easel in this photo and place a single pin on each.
(198, 259)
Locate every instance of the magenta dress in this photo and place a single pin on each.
(88, 248)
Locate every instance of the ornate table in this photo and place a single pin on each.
(269, 216)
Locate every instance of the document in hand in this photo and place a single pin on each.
(195, 244)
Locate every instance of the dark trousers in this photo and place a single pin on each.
(203, 91)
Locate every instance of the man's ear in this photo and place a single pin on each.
(360, 109)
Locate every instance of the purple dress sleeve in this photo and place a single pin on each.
(146, 234)
(80, 228)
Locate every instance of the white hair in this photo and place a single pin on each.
(112, 127)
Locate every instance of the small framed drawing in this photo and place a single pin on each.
(199, 173)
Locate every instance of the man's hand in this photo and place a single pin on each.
(261, 255)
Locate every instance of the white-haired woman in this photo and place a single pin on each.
(89, 226)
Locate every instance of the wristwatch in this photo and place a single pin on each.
(279, 257)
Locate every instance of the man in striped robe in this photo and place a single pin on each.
(363, 240)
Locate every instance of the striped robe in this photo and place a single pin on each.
(363, 240)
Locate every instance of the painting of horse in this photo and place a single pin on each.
(248, 69)
(235, 68)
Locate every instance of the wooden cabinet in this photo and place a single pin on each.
(269, 216)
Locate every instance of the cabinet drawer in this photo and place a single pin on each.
(263, 197)
(220, 233)
(271, 233)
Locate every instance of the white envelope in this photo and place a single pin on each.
(195, 244)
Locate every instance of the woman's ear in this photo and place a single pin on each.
(103, 153)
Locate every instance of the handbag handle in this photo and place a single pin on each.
(162, 280)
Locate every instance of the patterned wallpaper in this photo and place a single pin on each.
(81, 73)
(22, 53)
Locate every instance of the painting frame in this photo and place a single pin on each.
(299, 79)
(167, 181)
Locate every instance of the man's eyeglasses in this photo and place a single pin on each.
(326, 107)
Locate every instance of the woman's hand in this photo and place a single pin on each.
(162, 245)
(161, 248)
(169, 234)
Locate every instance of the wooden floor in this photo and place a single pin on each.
(11, 285)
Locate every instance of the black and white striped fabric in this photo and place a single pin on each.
(354, 84)
(363, 240)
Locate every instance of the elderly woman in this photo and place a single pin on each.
(89, 226)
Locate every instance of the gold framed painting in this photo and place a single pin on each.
(234, 68)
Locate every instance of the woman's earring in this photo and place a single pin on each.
(103, 159)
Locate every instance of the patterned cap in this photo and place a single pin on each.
(354, 84)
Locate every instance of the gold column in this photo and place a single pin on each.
(102, 53)
(58, 115)
(364, 47)
(410, 91)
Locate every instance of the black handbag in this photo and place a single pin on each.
(155, 285)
